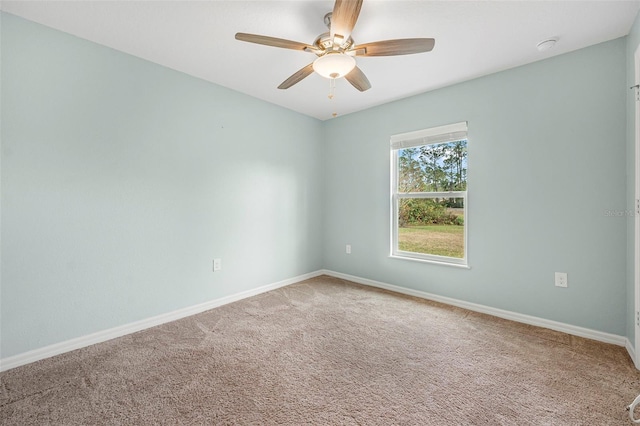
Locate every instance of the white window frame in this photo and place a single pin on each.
(435, 135)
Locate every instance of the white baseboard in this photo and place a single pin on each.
(102, 336)
(632, 352)
(514, 316)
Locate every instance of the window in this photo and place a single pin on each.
(429, 194)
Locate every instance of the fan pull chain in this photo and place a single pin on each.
(332, 87)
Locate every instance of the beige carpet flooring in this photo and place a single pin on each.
(328, 352)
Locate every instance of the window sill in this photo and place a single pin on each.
(435, 262)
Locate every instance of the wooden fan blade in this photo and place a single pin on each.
(344, 17)
(358, 80)
(297, 77)
(404, 46)
(273, 41)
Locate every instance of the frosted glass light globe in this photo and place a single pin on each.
(334, 65)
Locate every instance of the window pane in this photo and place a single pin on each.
(431, 226)
(433, 168)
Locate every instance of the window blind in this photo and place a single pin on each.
(441, 134)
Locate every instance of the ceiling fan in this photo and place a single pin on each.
(336, 49)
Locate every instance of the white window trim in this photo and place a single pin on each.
(441, 134)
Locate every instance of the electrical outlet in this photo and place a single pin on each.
(348, 249)
(217, 265)
(561, 279)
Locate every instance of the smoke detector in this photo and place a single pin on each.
(546, 44)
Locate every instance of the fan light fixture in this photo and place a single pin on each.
(334, 65)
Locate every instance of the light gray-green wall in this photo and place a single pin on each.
(547, 145)
(122, 180)
(633, 41)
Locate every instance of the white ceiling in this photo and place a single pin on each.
(473, 38)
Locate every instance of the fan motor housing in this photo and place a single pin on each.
(325, 42)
